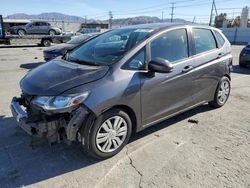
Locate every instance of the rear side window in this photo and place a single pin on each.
(220, 39)
(204, 40)
(172, 46)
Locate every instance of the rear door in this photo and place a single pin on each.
(164, 94)
(209, 63)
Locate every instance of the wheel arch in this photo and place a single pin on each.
(21, 29)
(51, 29)
(228, 76)
(129, 111)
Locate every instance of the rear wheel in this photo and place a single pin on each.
(46, 42)
(109, 134)
(222, 93)
(21, 32)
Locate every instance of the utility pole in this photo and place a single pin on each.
(172, 11)
(85, 19)
(194, 19)
(110, 19)
(212, 12)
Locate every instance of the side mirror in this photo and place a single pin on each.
(66, 52)
(160, 65)
(124, 37)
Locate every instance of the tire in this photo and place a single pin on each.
(46, 42)
(110, 143)
(52, 32)
(21, 32)
(222, 93)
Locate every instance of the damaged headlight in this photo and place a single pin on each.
(59, 102)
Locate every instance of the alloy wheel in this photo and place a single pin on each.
(223, 92)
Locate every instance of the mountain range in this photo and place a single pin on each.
(116, 22)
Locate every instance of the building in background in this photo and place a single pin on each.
(94, 27)
(244, 17)
(241, 21)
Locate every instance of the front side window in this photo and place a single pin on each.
(36, 24)
(204, 40)
(172, 46)
(108, 48)
(43, 23)
(137, 62)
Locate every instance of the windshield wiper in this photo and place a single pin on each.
(83, 62)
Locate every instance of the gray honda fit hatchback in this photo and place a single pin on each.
(124, 81)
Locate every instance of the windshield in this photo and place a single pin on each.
(109, 47)
(79, 39)
(28, 24)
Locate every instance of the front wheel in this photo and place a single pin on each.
(109, 134)
(222, 93)
(52, 33)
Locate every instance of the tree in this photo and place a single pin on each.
(220, 19)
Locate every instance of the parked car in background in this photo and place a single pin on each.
(88, 30)
(124, 81)
(245, 56)
(57, 50)
(1, 28)
(35, 28)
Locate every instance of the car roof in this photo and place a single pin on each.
(161, 26)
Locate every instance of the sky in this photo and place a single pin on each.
(98, 9)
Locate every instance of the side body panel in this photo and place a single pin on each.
(153, 97)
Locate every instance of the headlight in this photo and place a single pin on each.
(59, 102)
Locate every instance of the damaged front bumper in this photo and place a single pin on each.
(50, 126)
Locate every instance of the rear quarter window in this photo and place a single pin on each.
(204, 40)
(219, 38)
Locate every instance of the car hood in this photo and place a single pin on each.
(57, 76)
(60, 47)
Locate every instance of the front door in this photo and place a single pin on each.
(164, 94)
(32, 28)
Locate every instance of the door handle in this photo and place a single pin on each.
(187, 68)
(219, 55)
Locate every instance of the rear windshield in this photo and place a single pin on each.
(109, 47)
